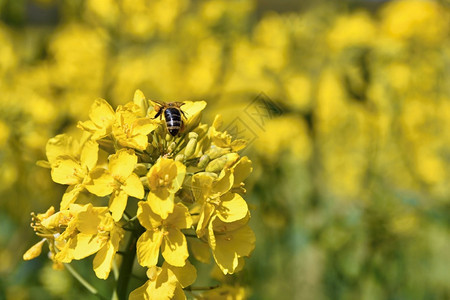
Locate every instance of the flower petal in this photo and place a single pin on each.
(122, 163)
(223, 183)
(199, 249)
(34, 251)
(161, 288)
(162, 207)
(174, 248)
(193, 112)
(147, 217)
(179, 178)
(201, 186)
(133, 187)
(88, 220)
(101, 184)
(87, 244)
(67, 170)
(179, 293)
(232, 208)
(89, 155)
(241, 170)
(207, 211)
(148, 248)
(144, 126)
(228, 246)
(101, 113)
(70, 196)
(103, 260)
(117, 204)
(186, 275)
(141, 292)
(180, 218)
(60, 145)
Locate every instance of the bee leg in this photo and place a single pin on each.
(158, 114)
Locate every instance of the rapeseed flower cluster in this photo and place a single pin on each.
(128, 174)
(354, 168)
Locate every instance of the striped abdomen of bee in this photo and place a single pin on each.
(173, 120)
(172, 115)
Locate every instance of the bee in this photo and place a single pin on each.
(172, 114)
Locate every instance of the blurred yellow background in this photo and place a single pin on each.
(345, 104)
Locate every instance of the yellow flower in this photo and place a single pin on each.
(164, 180)
(229, 242)
(90, 230)
(61, 145)
(41, 230)
(163, 284)
(223, 139)
(215, 197)
(102, 118)
(49, 226)
(164, 233)
(166, 282)
(193, 111)
(74, 171)
(119, 180)
(130, 129)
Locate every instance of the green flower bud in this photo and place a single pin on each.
(220, 163)
(215, 152)
(144, 181)
(216, 165)
(204, 160)
(150, 148)
(172, 147)
(193, 135)
(191, 145)
(180, 157)
(141, 169)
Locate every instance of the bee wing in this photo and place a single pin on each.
(160, 103)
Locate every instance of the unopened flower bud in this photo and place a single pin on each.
(193, 135)
(203, 162)
(141, 169)
(144, 181)
(172, 147)
(218, 164)
(215, 152)
(191, 145)
(180, 157)
(149, 148)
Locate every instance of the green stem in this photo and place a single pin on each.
(81, 280)
(126, 266)
(200, 288)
